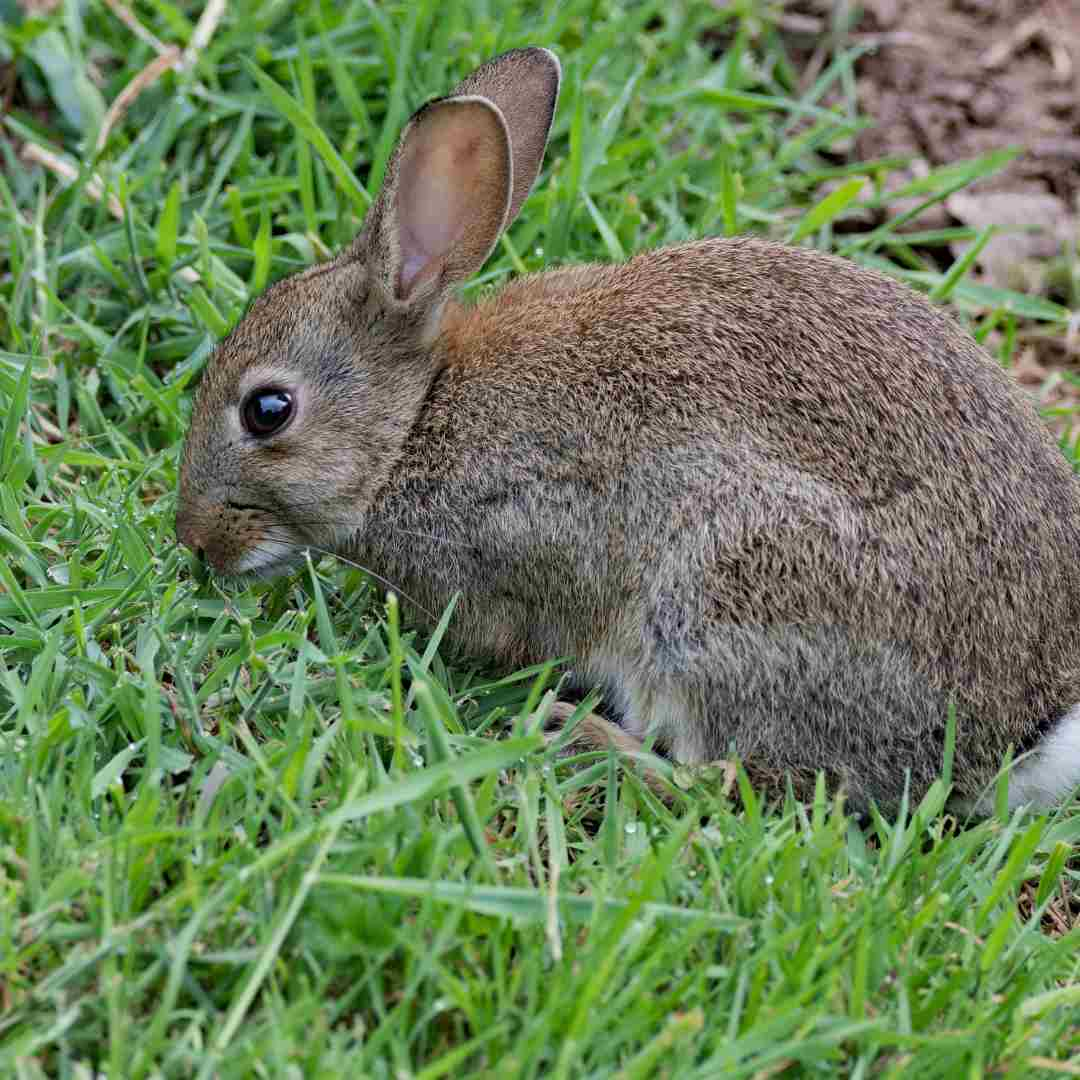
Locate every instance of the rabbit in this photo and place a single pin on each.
(768, 502)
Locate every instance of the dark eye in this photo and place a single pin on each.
(266, 410)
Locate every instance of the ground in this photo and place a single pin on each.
(949, 80)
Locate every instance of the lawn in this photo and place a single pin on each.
(267, 831)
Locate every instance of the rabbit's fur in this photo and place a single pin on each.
(768, 501)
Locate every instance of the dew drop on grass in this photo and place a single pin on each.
(630, 827)
(417, 760)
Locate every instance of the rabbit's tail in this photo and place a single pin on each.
(1046, 774)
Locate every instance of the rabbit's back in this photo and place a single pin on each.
(800, 352)
(753, 484)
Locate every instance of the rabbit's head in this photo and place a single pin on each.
(305, 407)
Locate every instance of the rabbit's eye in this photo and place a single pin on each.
(266, 410)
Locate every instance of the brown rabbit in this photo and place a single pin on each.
(770, 502)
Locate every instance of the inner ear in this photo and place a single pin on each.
(451, 191)
(523, 84)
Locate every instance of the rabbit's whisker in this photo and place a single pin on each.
(335, 523)
(290, 545)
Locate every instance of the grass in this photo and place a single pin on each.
(267, 832)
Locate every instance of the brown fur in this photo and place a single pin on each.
(771, 502)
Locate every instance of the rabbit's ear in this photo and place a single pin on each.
(444, 200)
(524, 86)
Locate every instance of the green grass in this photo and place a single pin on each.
(266, 833)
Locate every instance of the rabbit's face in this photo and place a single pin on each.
(301, 414)
(306, 406)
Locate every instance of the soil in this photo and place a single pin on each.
(953, 79)
(950, 80)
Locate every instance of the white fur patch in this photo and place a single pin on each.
(1048, 773)
(267, 562)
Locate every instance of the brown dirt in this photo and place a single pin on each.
(950, 80)
(953, 79)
